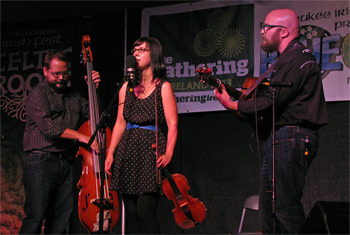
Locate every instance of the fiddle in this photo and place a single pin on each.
(259, 122)
(188, 211)
(98, 208)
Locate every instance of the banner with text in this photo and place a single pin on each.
(225, 36)
(23, 48)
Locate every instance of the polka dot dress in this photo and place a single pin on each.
(134, 169)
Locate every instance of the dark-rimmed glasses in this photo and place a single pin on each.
(267, 27)
(58, 74)
(140, 50)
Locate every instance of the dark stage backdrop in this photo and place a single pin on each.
(23, 47)
(215, 151)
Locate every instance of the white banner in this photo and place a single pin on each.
(324, 29)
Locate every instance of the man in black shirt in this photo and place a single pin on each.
(300, 111)
(54, 113)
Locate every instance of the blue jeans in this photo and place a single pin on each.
(48, 185)
(291, 165)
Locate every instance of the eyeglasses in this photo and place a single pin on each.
(58, 74)
(267, 27)
(140, 50)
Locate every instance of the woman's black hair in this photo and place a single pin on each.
(157, 64)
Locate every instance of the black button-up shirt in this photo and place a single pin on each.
(49, 114)
(302, 104)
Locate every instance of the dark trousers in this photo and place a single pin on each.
(141, 213)
(48, 184)
(291, 165)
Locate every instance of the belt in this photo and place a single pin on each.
(295, 126)
(62, 155)
(149, 127)
(286, 126)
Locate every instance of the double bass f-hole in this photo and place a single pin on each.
(98, 207)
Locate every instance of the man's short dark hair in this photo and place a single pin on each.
(55, 54)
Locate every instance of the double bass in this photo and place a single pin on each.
(98, 207)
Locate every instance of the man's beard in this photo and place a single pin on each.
(59, 87)
(270, 46)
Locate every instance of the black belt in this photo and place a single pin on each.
(285, 126)
(62, 155)
(296, 126)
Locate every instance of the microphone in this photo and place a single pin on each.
(130, 71)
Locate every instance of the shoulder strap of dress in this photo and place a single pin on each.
(159, 87)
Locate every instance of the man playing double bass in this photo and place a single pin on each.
(300, 112)
(54, 113)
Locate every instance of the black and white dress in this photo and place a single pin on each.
(134, 169)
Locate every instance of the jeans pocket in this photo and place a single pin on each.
(35, 158)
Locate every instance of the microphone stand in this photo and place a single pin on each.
(273, 163)
(105, 115)
(273, 86)
(101, 130)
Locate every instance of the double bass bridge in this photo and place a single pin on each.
(107, 203)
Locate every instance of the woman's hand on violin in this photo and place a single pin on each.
(225, 98)
(164, 160)
(109, 162)
(95, 77)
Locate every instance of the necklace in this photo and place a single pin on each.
(143, 90)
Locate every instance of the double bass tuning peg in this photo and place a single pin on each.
(81, 58)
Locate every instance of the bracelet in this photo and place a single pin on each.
(110, 149)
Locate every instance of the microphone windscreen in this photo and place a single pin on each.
(131, 62)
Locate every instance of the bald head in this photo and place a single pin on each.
(286, 18)
(281, 27)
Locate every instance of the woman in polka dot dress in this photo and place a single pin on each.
(130, 158)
